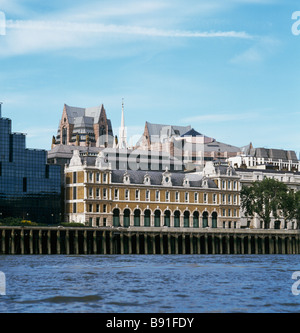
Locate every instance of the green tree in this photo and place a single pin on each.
(265, 198)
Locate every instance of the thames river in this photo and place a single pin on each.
(150, 284)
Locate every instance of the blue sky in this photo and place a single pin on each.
(230, 69)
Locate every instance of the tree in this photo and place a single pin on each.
(265, 198)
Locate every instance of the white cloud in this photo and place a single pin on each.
(31, 36)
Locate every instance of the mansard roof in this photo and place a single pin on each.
(156, 177)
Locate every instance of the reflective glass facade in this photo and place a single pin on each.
(29, 187)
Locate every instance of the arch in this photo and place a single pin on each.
(277, 224)
(167, 216)
(214, 219)
(147, 217)
(205, 219)
(116, 217)
(157, 214)
(196, 219)
(177, 219)
(137, 217)
(126, 213)
(186, 219)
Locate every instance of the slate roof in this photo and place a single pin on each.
(191, 132)
(274, 154)
(156, 131)
(75, 112)
(137, 177)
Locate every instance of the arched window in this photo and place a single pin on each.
(126, 218)
(177, 218)
(186, 219)
(147, 215)
(157, 218)
(214, 220)
(64, 136)
(116, 217)
(205, 219)
(196, 219)
(277, 224)
(137, 218)
(167, 218)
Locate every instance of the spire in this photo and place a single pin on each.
(123, 139)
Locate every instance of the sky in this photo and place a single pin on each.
(230, 69)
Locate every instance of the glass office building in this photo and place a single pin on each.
(29, 187)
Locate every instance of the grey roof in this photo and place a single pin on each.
(156, 131)
(137, 177)
(275, 154)
(220, 146)
(191, 132)
(75, 112)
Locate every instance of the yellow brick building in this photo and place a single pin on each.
(99, 196)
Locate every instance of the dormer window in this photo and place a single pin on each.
(147, 179)
(166, 180)
(186, 182)
(126, 178)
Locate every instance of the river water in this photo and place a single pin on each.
(149, 283)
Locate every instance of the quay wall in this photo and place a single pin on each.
(107, 240)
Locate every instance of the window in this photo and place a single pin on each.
(205, 197)
(25, 184)
(214, 198)
(90, 208)
(223, 184)
(74, 208)
(104, 222)
(137, 194)
(90, 177)
(196, 197)
(74, 193)
(224, 212)
(186, 197)
(104, 178)
(229, 185)
(235, 199)
(224, 198)
(229, 198)
(126, 194)
(74, 177)
(234, 185)
(90, 192)
(97, 177)
(104, 193)
(234, 212)
(167, 196)
(229, 212)
(97, 208)
(147, 195)
(157, 195)
(116, 194)
(104, 208)
(97, 193)
(176, 196)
